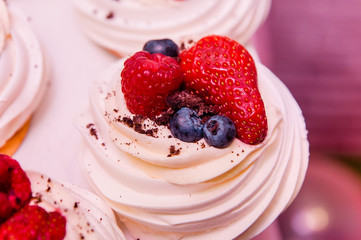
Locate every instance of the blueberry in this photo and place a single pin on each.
(219, 131)
(186, 125)
(164, 46)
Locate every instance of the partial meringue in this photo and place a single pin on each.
(124, 26)
(163, 188)
(87, 216)
(22, 78)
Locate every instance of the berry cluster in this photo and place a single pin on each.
(18, 219)
(218, 131)
(217, 69)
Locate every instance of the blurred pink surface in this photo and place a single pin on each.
(314, 47)
(271, 233)
(328, 206)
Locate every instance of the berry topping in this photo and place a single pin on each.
(15, 191)
(147, 80)
(163, 46)
(186, 125)
(219, 131)
(221, 71)
(33, 222)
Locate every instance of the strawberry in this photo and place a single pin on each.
(15, 191)
(147, 80)
(32, 223)
(222, 72)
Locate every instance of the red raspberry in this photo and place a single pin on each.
(222, 72)
(15, 191)
(33, 223)
(147, 80)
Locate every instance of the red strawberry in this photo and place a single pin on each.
(15, 191)
(147, 80)
(33, 223)
(222, 72)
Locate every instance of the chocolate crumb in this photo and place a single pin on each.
(137, 124)
(76, 204)
(109, 95)
(37, 199)
(173, 151)
(186, 99)
(182, 46)
(92, 130)
(110, 15)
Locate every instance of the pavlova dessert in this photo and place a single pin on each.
(34, 206)
(22, 79)
(196, 143)
(124, 26)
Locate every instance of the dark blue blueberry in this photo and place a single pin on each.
(164, 46)
(219, 131)
(186, 125)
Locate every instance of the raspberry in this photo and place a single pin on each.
(221, 71)
(33, 223)
(15, 191)
(147, 80)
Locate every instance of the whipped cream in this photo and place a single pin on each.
(162, 187)
(124, 26)
(22, 82)
(87, 216)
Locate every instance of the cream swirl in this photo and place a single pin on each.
(200, 192)
(22, 82)
(87, 216)
(124, 26)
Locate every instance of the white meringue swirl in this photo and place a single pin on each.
(87, 216)
(203, 192)
(22, 81)
(124, 26)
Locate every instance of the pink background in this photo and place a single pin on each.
(314, 46)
